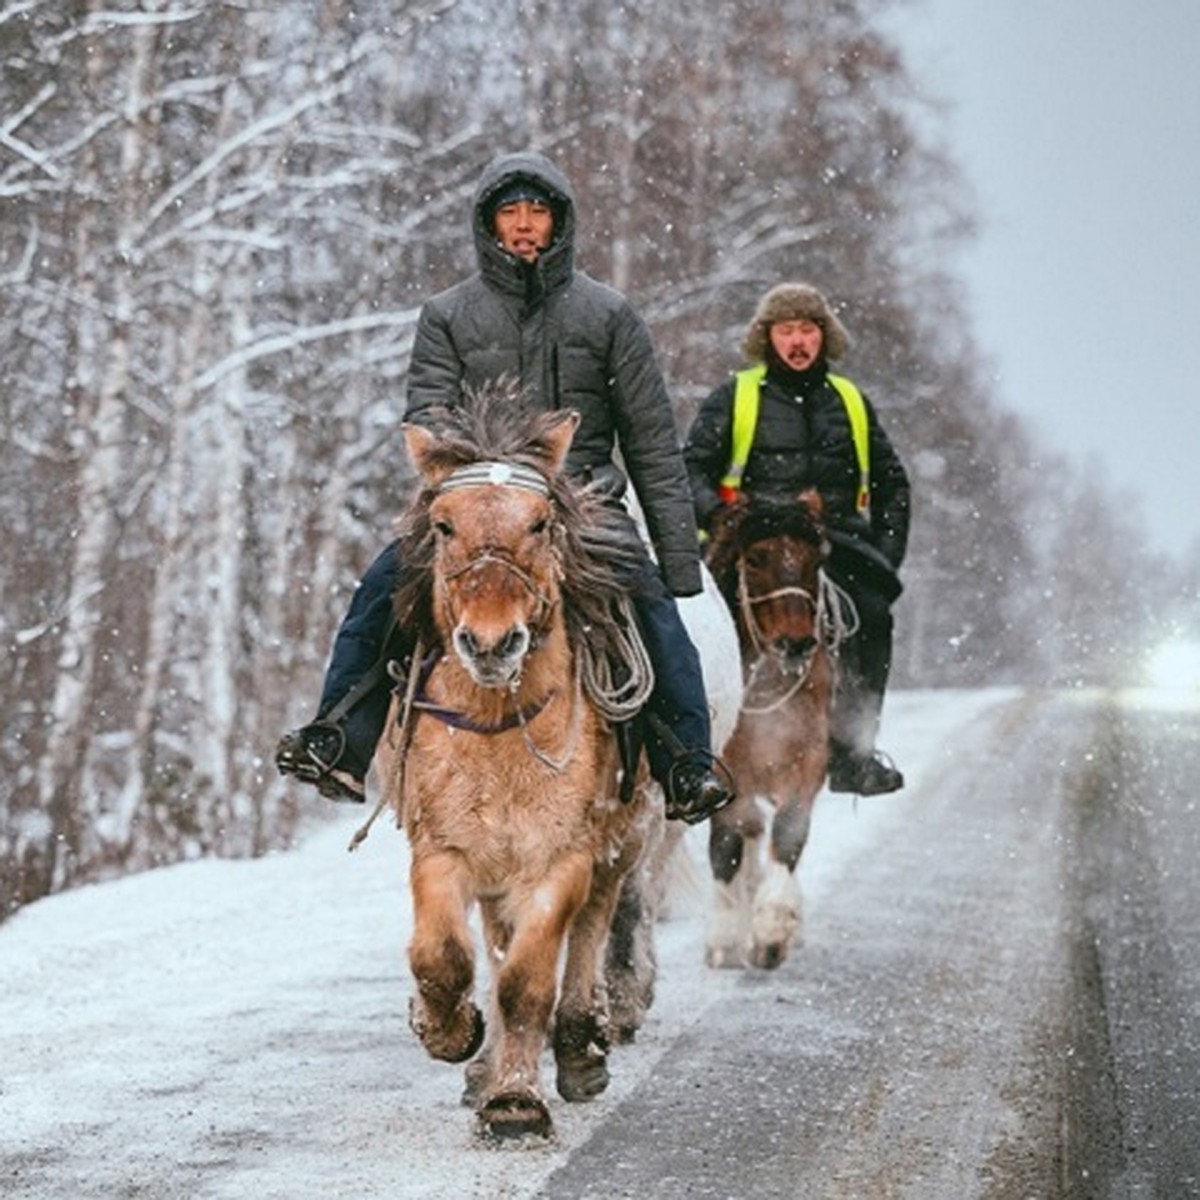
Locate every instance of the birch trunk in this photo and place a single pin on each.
(101, 418)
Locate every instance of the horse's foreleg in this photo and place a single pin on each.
(526, 985)
(733, 852)
(777, 920)
(630, 964)
(441, 957)
(497, 933)
(581, 1025)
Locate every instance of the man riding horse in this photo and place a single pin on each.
(527, 314)
(786, 424)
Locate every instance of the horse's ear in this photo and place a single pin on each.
(420, 443)
(558, 438)
(811, 499)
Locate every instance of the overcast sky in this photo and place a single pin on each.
(1077, 122)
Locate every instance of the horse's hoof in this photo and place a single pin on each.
(507, 1118)
(582, 1081)
(581, 1043)
(454, 1044)
(768, 956)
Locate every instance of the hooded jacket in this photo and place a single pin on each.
(803, 439)
(571, 342)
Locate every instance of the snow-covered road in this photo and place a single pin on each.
(225, 1029)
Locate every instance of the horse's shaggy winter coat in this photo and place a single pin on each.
(507, 781)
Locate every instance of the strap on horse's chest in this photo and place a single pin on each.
(459, 720)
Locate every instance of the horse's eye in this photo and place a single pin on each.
(443, 529)
(539, 526)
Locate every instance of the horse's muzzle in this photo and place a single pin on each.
(493, 665)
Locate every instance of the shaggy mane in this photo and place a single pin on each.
(496, 424)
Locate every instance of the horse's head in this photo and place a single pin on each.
(496, 566)
(767, 556)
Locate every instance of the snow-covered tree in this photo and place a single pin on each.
(219, 223)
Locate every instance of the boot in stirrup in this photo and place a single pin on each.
(312, 753)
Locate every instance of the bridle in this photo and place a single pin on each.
(489, 555)
(502, 474)
(834, 620)
(747, 602)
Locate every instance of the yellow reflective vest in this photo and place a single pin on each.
(747, 392)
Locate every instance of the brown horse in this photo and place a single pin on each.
(767, 558)
(507, 775)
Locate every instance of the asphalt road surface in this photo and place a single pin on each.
(1002, 1000)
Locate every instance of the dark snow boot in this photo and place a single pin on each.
(871, 774)
(316, 754)
(694, 790)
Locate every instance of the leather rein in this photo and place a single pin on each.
(499, 474)
(834, 620)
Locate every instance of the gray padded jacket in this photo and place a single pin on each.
(571, 342)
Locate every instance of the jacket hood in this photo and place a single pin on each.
(554, 263)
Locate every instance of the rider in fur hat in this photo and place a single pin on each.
(804, 438)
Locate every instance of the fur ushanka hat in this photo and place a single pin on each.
(794, 302)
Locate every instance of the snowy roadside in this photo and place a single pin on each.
(238, 1029)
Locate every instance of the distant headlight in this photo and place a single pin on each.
(1175, 665)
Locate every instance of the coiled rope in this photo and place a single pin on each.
(618, 701)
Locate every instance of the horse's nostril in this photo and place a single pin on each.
(466, 643)
(513, 643)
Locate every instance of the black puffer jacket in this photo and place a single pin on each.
(572, 343)
(803, 440)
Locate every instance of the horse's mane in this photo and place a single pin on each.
(756, 519)
(592, 535)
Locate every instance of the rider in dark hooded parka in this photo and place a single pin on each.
(528, 315)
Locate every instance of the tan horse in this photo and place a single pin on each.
(509, 786)
(767, 559)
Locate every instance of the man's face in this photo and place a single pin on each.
(797, 343)
(524, 228)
